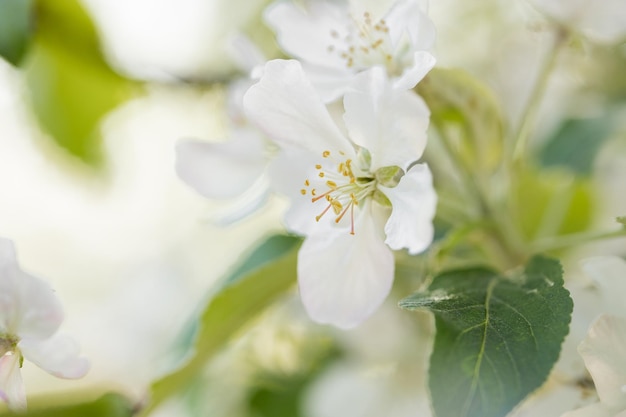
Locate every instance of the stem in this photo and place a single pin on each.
(531, 110)
(562, 242)
(505, 236)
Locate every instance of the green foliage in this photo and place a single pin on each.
(551, 203)
(15, 29)
(576, 144)
(109, 405)
(70, 86)
(497, 338)
(259, 282)
(465, 111)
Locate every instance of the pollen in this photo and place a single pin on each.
(342, 188)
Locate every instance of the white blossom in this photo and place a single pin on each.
(30, 315)
(600, 20)
(232, 170)
(604, 352)
(335, 40)
(355, 190)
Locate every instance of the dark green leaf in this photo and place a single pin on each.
(15, 29)
(109, 405)
(259, 282)
(467, 112)
(497, 338)
(70, 85)
(576, 144)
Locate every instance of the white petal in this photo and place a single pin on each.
(413, 203)
(422, 63)
(593, 410)
(9, 278)
(330, 83)
(390, 124)
(304, 31)
(604, 352)
(288, 173)
(408, 18)
(609, 272)
(245, 53)
(243, 206)
(58, 355)
(40, 312)
(285, 105)
(222, 170)
(11, 384)
(28, 305)
(344, 278)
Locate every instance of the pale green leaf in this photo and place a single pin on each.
(467, 112)
(70, 86)
(108, 405)
(551, 203)
(15, 29)
(268, 273)
(497, 337)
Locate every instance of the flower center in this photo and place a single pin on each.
(366, 43)
(8, 344)
(341, 184)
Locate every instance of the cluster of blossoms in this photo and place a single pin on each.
(355, 187)
(30, 315)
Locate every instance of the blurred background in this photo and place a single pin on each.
(90, 111)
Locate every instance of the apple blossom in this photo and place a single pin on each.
(335, 40)
(601, 20)
(30, 315)
(234, 169)
(604, 352)
(355, 190)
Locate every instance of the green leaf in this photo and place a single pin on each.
(466, 111)
(109, 405)
(497, 338)
(551, 203)
(576, 144)
(621, 220)
(70, 86)
(15, 29)
(254, 286)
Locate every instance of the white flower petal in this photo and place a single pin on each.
(9, 279)
(593, 410)
(413, 203)
(222, 170)
(604, 353)
(285, 105)
(11, 384)
(330, 83)
(58, 355)
(344, 278)
(408, 18)
(390, 124)
(304, 31)
(609, 272)
(288, 172)
(423, 62)
(39, 311)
